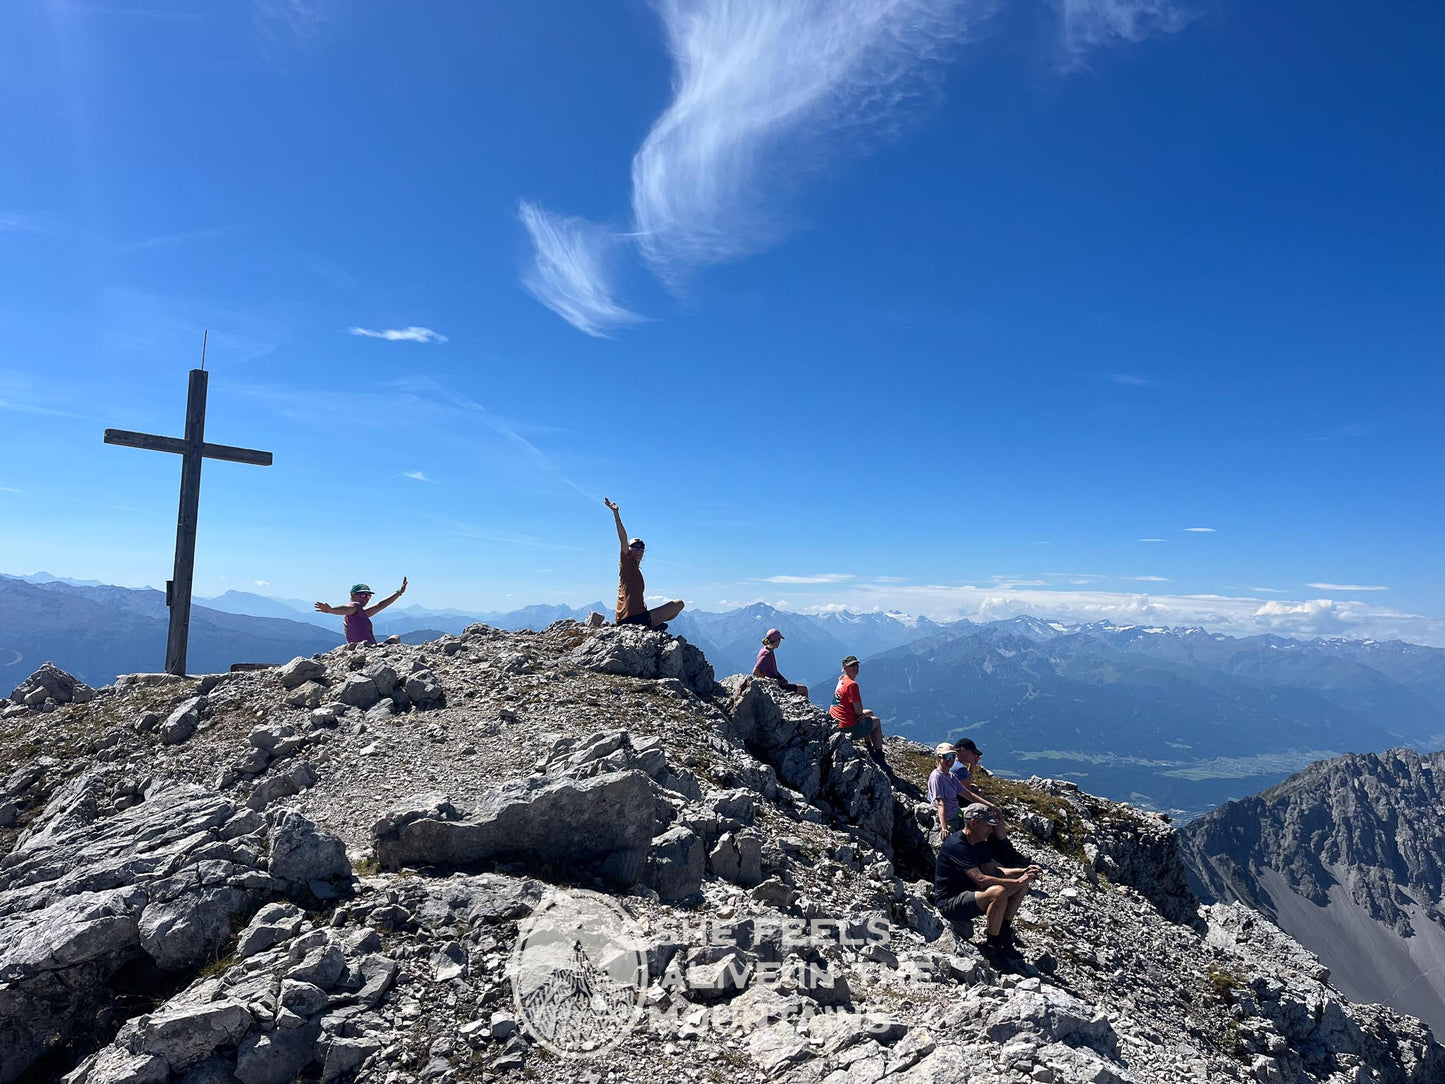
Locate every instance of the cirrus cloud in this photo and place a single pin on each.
(400, 335)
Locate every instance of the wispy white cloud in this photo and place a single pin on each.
(1150, 579)
(416, 476)
(262, 583)
(1348, 432)
(821, 577)
(1130, 380)
(1346, 587)
(14, 222)
(400, 335)
(183, 237)
(1267, 590)
(1151, 540)
(297, 20)
(1089, 24)
(756, 83)
(572, 270)
(1199, 530)
(1043, 542)
(10, 489)
(766, 93)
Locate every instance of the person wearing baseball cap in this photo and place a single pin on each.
(944, 789)
(967, 882)
(850, 714)
(357, 613)
(631, 590)
(966, 762)
(767, 665)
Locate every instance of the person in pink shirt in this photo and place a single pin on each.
(767, 665)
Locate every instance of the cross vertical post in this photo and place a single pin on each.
(193, 450)
(186, 519)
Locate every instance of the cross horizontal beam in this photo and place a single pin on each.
(152, 443)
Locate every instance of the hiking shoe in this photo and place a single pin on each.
(877, 755)
(999, 952)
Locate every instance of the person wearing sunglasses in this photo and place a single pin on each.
(357, 614)
(631, 590)
(944, 789)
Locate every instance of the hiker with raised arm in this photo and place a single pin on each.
(967, 882)
(357, 614)
(631, 591)
(851, 716)
(767, 665)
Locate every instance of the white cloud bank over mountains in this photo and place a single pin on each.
(1237, 616)
(764, 92)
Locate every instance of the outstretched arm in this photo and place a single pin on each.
(617, 518)
(339, 611)
(384, 603)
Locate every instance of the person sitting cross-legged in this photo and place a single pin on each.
(631, 607)
(968, 883)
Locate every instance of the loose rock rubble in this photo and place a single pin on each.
(337, 870)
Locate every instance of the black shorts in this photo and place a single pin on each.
(644, 618)
(960, 908)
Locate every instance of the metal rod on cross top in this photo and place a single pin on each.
(192, 449)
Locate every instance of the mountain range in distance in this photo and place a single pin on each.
(1178, 719)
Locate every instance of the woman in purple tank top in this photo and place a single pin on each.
(357, 614)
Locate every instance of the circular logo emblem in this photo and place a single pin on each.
(578, 971)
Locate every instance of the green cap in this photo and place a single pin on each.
(851, 660)
(361, 588)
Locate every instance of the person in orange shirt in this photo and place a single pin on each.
(852, 717)
(631, 605)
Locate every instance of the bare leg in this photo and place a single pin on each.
(661, 615)
(995, 904)
(1015, 901)
(875, 739)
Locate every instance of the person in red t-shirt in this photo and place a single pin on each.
(852, 717)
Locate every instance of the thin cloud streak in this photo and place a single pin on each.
(753, 80)
(416, 476)
(400, 335)
(1089, 24)
(1151, 540)
(11, 222)
(1130, 380)
(1346, 587)
(1199, 530)
(571, 271)
(821, 577)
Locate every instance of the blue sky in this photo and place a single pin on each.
(949, 308)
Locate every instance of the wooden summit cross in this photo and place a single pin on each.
(192, 448)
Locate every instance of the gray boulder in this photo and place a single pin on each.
(642, 653)
(358, 691)
(302, 853)
(675, 863)
(567, 821)
(299, 671)
(182, 722)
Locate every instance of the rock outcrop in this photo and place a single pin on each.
(577, 843)
(1348, 856)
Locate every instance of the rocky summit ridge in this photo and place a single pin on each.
(576, 855)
